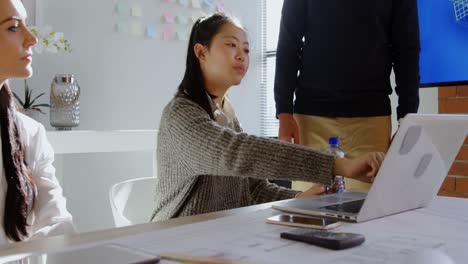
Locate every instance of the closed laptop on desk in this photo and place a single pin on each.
(414, 168)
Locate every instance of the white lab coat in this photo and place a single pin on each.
(50, 216)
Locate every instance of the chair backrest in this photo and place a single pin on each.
(132, 201)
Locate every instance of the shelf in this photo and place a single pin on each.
(69, 142)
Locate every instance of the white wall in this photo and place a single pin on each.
(428, 102)
(126, 81)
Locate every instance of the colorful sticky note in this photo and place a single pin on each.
(136, 28)
(182, 35)
(122, 8)
(196, 4)
(168, 18)
(137, 11)
(181, 19)
(121, 27)
(151, 31)
(208, 4)
(184, 2)
(220, 7)
(168, 34)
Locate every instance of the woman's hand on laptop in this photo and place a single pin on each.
(364, 168)
(316, 189)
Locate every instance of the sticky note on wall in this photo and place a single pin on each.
(182, 35)
(181, 19)
(196, 4)
(184, 2)
(168, 34)
(208, 4)
(151, 31)
(122, 8)
(121, 27)
(137, 11)
(136, 28)
(168, 18)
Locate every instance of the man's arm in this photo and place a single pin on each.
(405, 51)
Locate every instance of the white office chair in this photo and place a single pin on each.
(132, 201)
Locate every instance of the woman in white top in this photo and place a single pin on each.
(31, 201)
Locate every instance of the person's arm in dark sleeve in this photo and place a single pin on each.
(405, 50)
(288, 53)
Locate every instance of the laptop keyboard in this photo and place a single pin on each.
(349, 207)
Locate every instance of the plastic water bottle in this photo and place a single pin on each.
(334, 149)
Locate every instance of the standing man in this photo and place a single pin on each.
(333, 66)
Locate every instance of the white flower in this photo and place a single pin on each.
(49, 40)
(52, 49)
(57, 36)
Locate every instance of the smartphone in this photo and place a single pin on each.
(303, 221)
(324, 238)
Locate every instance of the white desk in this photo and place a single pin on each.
(84, 141)
(74, 142)
(243, 232)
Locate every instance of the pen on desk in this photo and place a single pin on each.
(198, 259)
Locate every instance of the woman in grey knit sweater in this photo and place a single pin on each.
(205, 162)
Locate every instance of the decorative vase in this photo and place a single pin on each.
(64, 102)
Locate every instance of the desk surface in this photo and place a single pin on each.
(58, 242)
(437, 226)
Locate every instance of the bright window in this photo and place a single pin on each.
(271, 16)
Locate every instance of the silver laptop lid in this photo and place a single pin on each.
(416, 164)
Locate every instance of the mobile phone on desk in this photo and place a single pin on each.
(324, 238)
(303, 221)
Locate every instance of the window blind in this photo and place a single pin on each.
(270, 21)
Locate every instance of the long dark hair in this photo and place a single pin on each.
(21, 191)
(193, 84)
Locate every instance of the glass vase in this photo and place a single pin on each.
(64, 102)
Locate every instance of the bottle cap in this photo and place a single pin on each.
(334, 141)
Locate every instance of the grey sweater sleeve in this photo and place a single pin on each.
(205, 148)
(263, 191)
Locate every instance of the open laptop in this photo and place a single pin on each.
(414, 168)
